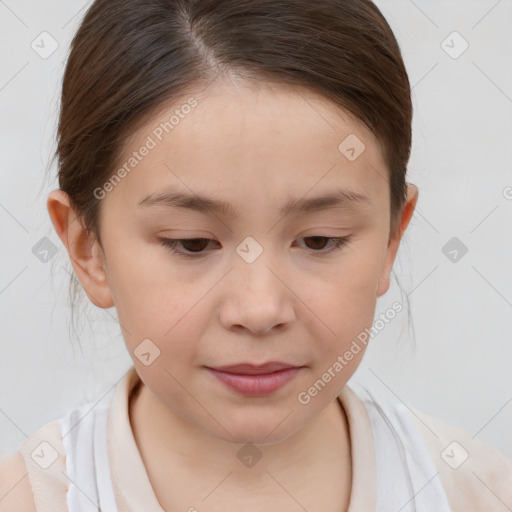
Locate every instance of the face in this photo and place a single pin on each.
(257, 281)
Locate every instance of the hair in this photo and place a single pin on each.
(130, 57)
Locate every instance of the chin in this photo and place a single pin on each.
(261, 432)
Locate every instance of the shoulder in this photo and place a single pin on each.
(476, 476)
(34, 477)
(15, 489)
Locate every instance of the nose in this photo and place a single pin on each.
(256, 298)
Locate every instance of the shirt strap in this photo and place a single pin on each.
(407, 478)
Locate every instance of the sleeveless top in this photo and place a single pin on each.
(404, 476)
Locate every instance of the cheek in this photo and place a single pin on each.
(169, 311)
(347, 295)
(343, 306)
(139, 275)
(157, 299)
(152, 300)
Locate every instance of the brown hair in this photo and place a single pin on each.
(128, 57)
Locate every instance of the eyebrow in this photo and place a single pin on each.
(342, 198)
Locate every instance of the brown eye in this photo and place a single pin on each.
(191, 246)
(196, 247)
(321, 244)
(194, 244)
(317, 244)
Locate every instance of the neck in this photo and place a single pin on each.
(175, 450)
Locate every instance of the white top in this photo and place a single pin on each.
(88, 461)
(84, 439)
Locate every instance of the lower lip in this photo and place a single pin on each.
(256, 385)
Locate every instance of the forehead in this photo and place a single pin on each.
(235, 140)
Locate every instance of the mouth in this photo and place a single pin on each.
(255, 380)
(255, 369)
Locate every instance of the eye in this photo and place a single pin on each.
(194, 247)
(337, 242)
(196, 244)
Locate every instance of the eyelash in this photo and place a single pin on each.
(339, 242)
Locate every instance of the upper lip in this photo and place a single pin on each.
(251, 369)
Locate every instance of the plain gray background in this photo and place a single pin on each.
(455, 365)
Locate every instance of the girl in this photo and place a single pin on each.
(232, 180)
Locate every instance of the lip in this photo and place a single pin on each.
(255, 380)
(255, 369)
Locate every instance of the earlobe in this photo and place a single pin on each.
(394, 241)
(83, 249)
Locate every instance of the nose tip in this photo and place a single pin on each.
(257, 302)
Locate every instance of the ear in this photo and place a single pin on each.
(394, 240)
(84, 250)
